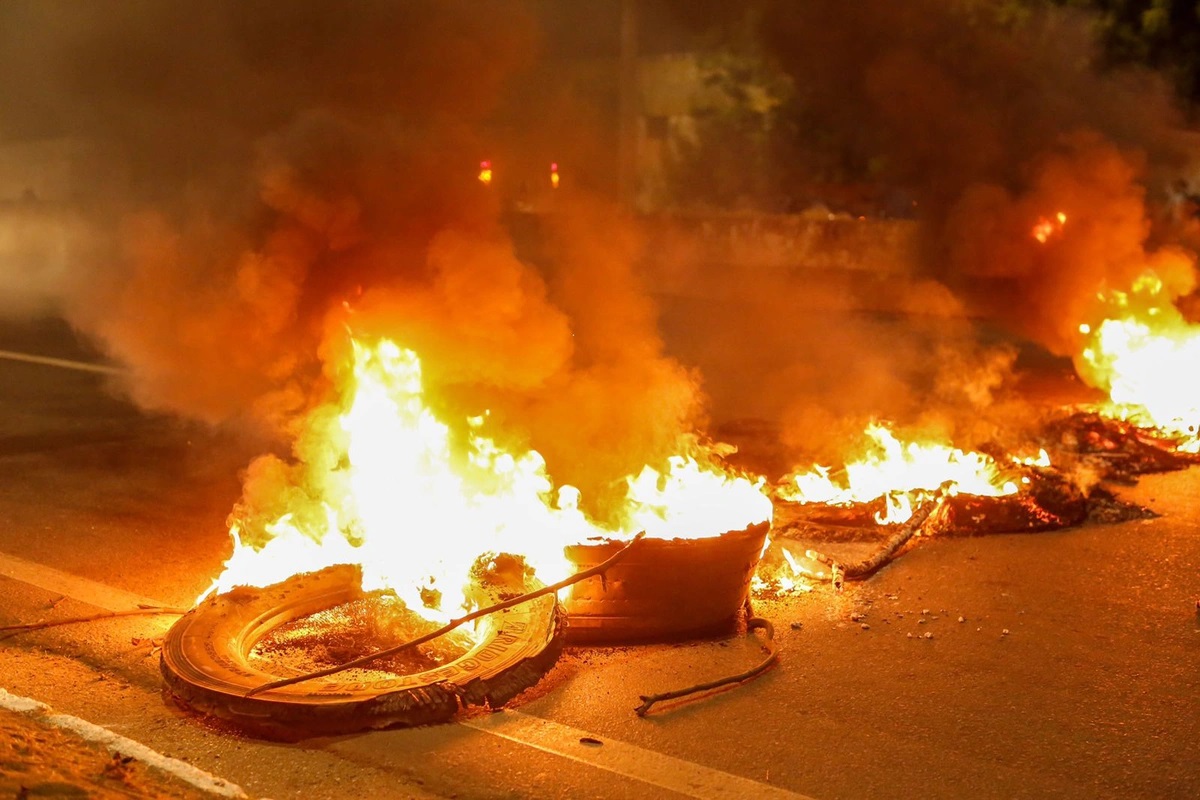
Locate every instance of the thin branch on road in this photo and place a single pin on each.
(888, 549)
(131, 612)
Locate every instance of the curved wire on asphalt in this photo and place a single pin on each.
(768, 644)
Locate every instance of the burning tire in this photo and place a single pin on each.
(668, 589)
(206, 665)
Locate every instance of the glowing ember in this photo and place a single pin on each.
(1045, 228)
(790, 577)
(1042, 459)
(904, 474)
(384, 483)
(1144, 354)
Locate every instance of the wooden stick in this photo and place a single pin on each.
(449, 626)
(884, 553)
(648, 700)
(132, 612)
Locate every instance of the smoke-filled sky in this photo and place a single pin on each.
(252, 177)
(255, 179)
(991, 125)
(243, 167)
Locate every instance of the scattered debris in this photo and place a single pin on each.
(118, 766)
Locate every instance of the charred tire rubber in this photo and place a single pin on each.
(205, 666)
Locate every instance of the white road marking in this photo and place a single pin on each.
(64, 363)
(119, 744)
(95, 594)
(621, 758)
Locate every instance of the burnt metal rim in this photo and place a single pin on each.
(206, 668)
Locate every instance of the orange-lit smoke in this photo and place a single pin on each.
(994, 125)
(312, 171)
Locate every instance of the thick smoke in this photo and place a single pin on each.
(992, 125)
(251, 179)
(245, 167)
(259, 179)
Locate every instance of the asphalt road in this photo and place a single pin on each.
(1094, 691)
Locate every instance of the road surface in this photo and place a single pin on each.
(1075, 671)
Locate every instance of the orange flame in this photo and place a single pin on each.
(903, 474)
(1144, 354)
(1045, 228)
(390, 486)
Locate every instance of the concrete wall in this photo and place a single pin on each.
(814, 241)
(848, 260)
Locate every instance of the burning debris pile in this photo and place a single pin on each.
(443, 420)
(475, 411)
(218, 656)
(1118, 450)
(898, 490)
(999, 493)
(441, 521)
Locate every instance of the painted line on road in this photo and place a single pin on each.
(64, 363)
(623, 758)
(116, 743)
(100, 595)
(612, 755)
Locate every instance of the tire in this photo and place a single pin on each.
(205, 666)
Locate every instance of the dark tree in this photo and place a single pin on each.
(1161, 34)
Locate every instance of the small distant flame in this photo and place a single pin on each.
(1042, 459)
(1144, 353)
(1044, 228)
(485, 172)
(903, 474)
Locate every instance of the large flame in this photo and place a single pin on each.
(391, 487)
(1144, 353)
(904, 473)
